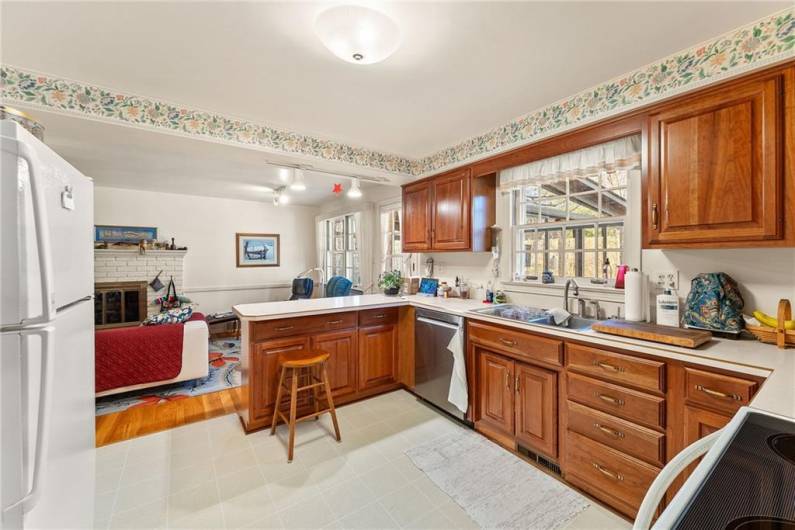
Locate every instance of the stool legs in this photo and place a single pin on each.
(332, 411)
(293, 409)
(278, 401)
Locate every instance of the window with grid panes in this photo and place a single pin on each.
(342, 248)
(570, 227)
(391, 248)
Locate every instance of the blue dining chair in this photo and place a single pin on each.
(338, 286)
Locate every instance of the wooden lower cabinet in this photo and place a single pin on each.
(495, 389)
(265, 370)
(537, 409)
(609, 475)
(517, 403)
(378, 363)
(343, 356)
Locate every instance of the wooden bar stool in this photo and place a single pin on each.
(302, 366)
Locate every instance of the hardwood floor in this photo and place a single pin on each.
(135, 422)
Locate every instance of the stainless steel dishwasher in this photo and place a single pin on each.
(433, 364)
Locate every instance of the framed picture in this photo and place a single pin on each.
(124, 234)
(257, 250)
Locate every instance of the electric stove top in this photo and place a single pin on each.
(752, 485)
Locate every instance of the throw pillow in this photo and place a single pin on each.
(172, 316)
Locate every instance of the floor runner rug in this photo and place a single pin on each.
(496, 488)
(224, 358)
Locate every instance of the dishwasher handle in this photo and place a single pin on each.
(433, 322)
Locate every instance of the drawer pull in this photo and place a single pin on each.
(284, 328)
(606, 472)
(609, 367)
(508, 342)
(610, 399)
(608, 430)
(333, 322)
(718, 394)
(379, 316)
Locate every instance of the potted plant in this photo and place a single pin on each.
(390, 282)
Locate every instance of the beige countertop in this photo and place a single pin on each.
(748, 356)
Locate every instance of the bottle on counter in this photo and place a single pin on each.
(489, 293)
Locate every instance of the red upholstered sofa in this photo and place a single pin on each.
(145, 356)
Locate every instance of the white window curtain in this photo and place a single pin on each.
(623, 153)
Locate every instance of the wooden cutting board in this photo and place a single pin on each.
(687, 338)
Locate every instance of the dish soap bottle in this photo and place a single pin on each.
(668, 309)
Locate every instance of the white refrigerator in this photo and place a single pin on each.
(47, 331)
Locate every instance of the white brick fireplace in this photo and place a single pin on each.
(129, 265)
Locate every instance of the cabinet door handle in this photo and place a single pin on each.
(608, 430)
(333, 322)
(654, 216)
(718, 394)
(507, 380)
(609, 367)
(610, 399)
(516, 383)
(508, 342)
(284, 328)
(607, 472)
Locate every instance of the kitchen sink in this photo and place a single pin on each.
(574, 322)
(535, 315)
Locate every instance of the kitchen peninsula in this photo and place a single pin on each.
(648, 400)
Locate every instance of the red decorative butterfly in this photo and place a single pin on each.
(337, 188)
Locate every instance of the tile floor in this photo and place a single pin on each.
(210, 475)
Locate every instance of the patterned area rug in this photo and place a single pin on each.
(496, 488)
(223, 360)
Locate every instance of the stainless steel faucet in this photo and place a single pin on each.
(575, 292)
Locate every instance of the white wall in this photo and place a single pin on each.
(207, 226)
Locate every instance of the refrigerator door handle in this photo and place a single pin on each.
(29, 500)
(42, 237)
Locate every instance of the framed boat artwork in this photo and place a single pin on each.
(257, 250)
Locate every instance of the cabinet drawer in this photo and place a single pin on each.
(377, 317)
(614, 432)
(626, 369)
(518, 344)
(624, 402)
(722, 392)
(284, 327)
(605, 473)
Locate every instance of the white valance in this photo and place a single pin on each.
(621, 154)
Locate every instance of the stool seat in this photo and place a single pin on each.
(303, 371)
(303, 359)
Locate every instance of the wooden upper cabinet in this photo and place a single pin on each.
(451, 210)
(715, 168)
(417, 217)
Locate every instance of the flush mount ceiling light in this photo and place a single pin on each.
(357, 34)
(298, 183)
(355, 192)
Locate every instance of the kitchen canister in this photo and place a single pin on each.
(634, 282)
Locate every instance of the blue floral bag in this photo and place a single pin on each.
(714, 302)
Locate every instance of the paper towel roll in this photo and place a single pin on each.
(633, 296)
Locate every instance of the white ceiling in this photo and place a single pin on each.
(125, 157)
(463, 68)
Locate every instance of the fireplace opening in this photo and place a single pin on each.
(119, 304)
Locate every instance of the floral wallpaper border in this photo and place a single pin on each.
(766, 41)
